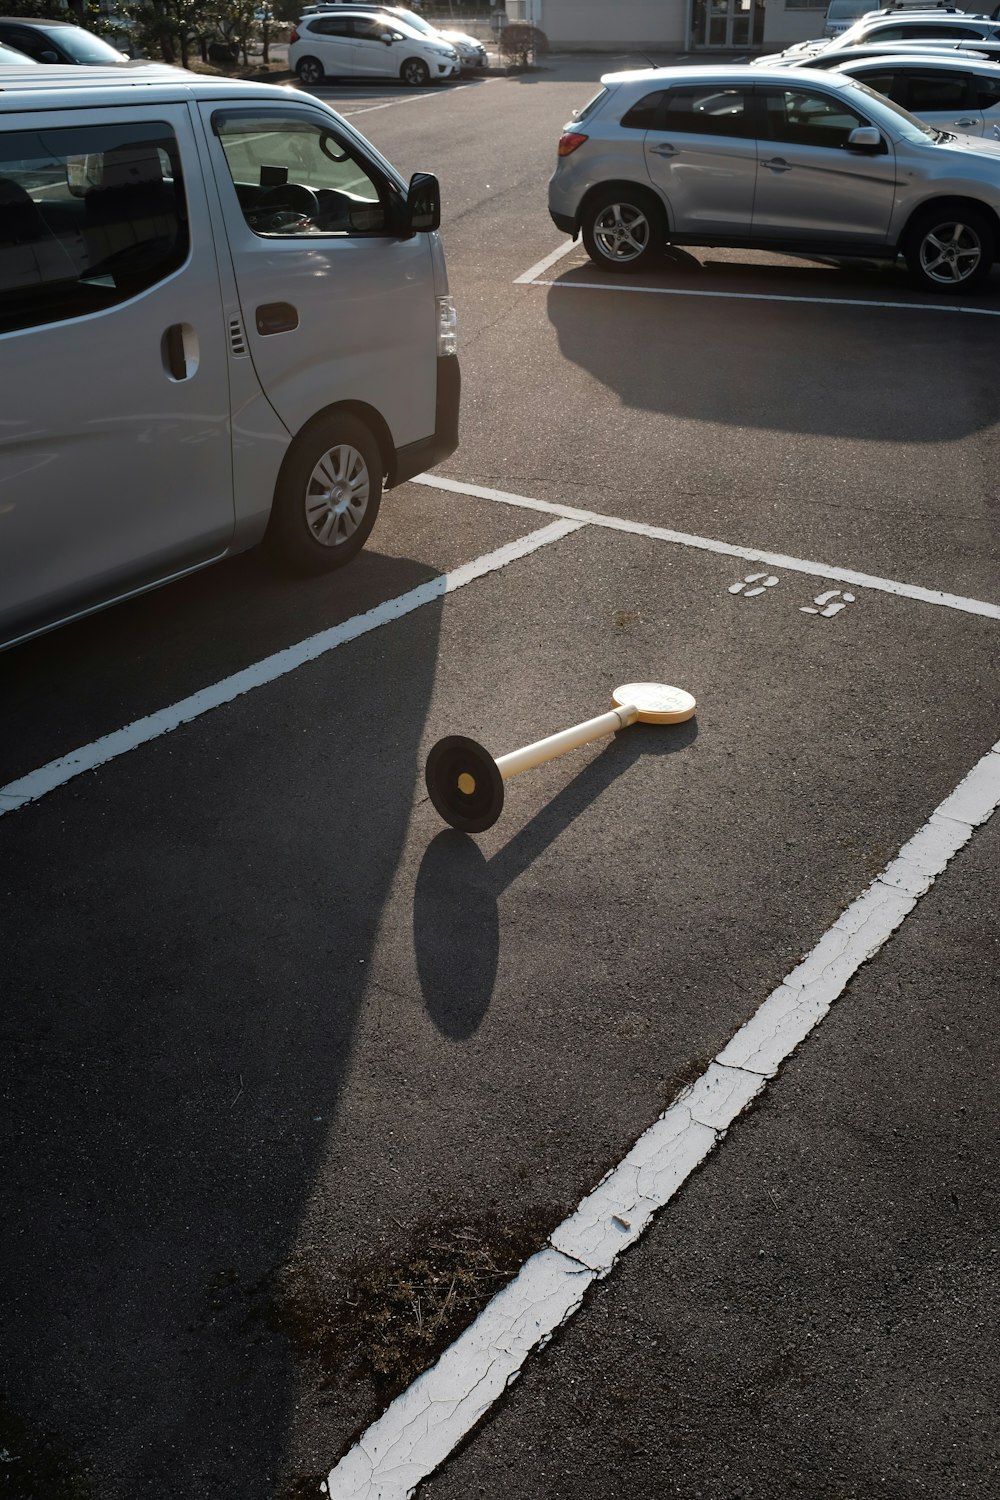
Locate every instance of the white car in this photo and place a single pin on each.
(956, 94)
(349, 43)
(471, 53)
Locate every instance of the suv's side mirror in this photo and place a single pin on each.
(386, 36)
(423, 203)
(865, 138)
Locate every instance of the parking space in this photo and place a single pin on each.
(298, 1078)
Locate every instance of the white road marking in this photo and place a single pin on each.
(38, 783)
(419, 1430)
(774, 560)
(543, 265)
(669, 291)
(348, 114)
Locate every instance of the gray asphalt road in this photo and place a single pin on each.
(294, 1079)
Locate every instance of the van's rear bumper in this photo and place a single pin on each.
(416, 457)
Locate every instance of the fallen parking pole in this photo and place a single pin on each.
(465, 783)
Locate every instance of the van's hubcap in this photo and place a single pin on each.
(950, 252)
(337, 495)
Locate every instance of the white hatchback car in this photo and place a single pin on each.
(345, 43)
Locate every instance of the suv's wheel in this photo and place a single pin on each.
(951, 249)
(310, 71)
(415, 72)
(624, 229)
(327, 496)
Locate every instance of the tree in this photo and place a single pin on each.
(521, 43)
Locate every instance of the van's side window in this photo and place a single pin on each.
(294, 176)
(89, 216)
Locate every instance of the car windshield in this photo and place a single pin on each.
(845, 10)
(414, 22)
(85, 48)
(908, 126)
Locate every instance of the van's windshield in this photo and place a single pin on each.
(846, 10)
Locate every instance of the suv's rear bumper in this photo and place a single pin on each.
(416, 457)
(563, 221)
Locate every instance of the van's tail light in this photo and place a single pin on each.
(294, 37)
(447, 326)
(569, 142)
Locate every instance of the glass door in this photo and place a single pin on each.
(727, 23)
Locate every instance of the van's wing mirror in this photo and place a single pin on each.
(386, 36)
(423, 203)
(865, 138)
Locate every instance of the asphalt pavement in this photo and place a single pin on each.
(296, 1079)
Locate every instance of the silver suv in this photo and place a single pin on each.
(773, 159)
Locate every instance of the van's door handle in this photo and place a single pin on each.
(174, 356)
(966, 123)
(777, 164)
(664, 148)
(276, 317)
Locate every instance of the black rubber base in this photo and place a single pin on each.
(455, 758)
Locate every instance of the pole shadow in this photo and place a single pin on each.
(456, 917)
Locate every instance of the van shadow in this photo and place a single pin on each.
(186, 940)
(778, 365)
(456, 917)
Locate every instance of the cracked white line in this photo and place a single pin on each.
(415, 1435)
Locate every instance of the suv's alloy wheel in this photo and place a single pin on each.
(951, 251)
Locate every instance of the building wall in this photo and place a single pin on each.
(650, 25)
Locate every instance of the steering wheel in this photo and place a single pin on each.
(288, 195)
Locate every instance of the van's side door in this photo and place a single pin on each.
(115, 452)
(337, 305)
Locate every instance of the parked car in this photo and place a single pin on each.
(843, 13)
(57, 42)
(773, 159)
(348, 43)
(983, 51)
(472, 55)
(894, 26)
(10, 57)
(225, 318)
(953, 94)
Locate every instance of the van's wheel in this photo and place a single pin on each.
(310, 71)
(951, 249)
(327, 496)
(415, 72)
(624, 229)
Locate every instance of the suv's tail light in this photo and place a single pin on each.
(294, 37)
(569, 142)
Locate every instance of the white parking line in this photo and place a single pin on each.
(533, 278)
(348, 114)
(543, 265)
(724, 549)
(424, 1425)
(57, 772)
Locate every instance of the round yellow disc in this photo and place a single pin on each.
(466, 783)
(656, 702)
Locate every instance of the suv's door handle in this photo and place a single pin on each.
(966, 122)
(777, 164)
(664, 149)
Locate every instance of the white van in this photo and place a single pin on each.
(840, 14)
(224, 318)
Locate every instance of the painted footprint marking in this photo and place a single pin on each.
(763, 581)
(833, 600)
